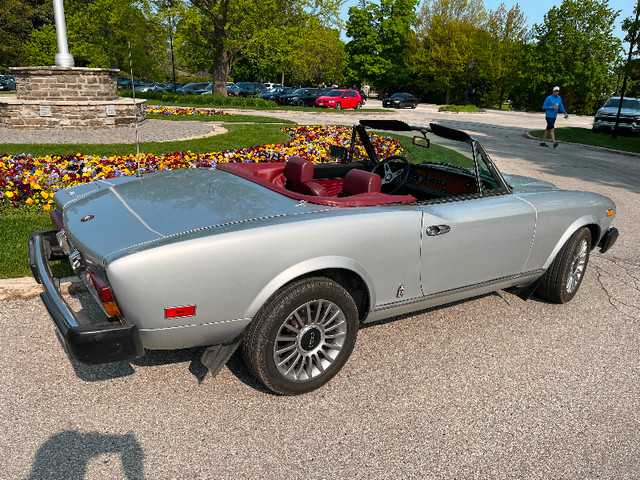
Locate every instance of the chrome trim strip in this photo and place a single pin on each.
(475, 286)
(220, 322)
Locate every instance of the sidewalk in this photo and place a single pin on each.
(26, 287)
(149, 131)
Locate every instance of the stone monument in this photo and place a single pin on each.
(67, 97)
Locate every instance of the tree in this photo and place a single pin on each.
(100, 32)
(508, 34)
(41, 49)
(15, 27)
(226, 27)
(450, 41)
(380, 37)
(631, 68)
(576, 49)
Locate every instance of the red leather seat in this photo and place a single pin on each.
(360, 181)
(299, 175)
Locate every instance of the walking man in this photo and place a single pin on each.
(551, 105)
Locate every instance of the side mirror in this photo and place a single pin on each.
(422, 142)
(338, 152)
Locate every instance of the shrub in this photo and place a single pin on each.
(213, 100)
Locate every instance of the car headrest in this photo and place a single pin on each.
(360, 181)
(298, 170)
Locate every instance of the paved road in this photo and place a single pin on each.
(489, 388)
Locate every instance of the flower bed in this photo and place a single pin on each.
(32, 181)
(186, 111)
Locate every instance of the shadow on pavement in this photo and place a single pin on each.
(65, 455)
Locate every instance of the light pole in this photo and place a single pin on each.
(466, 96)
(63, 57)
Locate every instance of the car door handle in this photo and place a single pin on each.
(434, 230)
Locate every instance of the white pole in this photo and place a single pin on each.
(63, 57)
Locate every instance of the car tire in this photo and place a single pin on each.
(289, 353)
(565, 274)
(338, 106)
(358, 106)
(301, 103)
(414, 105)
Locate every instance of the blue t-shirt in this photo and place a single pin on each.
(549, 102)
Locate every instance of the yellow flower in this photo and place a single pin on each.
(9, 194)
(29, 201)
(47, 206)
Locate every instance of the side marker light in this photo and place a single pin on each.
(183, 311)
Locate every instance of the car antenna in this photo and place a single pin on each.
(135, 112)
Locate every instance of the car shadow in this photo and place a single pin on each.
(66, 454)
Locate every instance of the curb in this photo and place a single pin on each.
(25, 288)
(591, 147)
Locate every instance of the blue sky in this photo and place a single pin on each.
(536, 10)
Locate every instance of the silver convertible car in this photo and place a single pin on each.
(287, 260)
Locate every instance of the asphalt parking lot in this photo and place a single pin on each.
(490, 388)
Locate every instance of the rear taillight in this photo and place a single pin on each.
(104, 293)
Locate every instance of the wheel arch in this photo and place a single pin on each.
(589, 222)
(344, 271)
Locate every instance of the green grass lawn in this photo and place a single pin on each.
(14, 256)
(238, 136)
(585, 136)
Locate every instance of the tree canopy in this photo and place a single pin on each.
(443, 51)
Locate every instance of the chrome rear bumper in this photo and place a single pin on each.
(87, 342)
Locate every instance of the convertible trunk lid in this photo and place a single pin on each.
(113, 216)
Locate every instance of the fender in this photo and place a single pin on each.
(304, 268)
(584, 221)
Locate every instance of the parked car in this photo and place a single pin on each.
(287, 260)
(191, 88)
(400, 100)
(7, 82)
(173, 87)
(339, 99)
(605, 118)
(150, 87)
(275, 93)
(302, 97)
(125, 83)
(246, 89)
(208, 89)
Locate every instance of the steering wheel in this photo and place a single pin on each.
(393, 179)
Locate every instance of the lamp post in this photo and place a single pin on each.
(63, 57)
(466, 95)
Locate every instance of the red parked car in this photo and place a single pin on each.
(340, 99)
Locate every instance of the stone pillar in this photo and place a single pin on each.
(68, 98)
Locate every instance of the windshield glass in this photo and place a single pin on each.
(630, 103)
(397, 96)
(333, 93)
